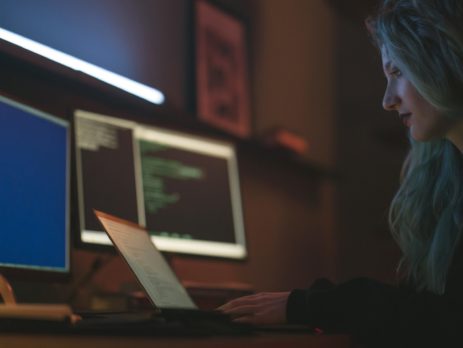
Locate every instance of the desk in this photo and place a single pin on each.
(261, 341)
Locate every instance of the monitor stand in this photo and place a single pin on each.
(11, 309)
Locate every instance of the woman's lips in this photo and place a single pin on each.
(405, 118)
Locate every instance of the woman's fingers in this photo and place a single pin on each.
(261, 308)
(240, 301)
(240, 310)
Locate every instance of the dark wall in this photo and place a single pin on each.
(145, 40)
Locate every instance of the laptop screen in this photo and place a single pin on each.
(147, 263)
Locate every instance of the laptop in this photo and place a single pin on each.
(154, 274)
(172, 303)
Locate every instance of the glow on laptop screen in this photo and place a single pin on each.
(34, 180)
(183, 188)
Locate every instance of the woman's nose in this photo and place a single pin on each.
(391, 101)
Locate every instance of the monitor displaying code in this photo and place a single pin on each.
(184, 189)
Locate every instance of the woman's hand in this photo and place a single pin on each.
(262, 308)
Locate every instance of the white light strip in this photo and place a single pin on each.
(140, 90)
(198, 247)
(96, 237)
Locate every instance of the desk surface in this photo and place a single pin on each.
(263, 340)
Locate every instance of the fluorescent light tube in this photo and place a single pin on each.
(133, 87)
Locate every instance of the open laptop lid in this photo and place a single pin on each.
(146, 262)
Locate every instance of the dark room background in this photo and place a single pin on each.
(312, 70)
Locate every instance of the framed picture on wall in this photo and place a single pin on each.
(222, 91)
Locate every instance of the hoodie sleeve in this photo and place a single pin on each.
(375, 312)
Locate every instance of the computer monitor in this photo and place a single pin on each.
(183, 188)
(34, 192)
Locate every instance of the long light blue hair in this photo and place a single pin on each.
(425, 39)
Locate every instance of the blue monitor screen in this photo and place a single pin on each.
(34, 186)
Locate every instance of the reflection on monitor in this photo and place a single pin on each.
(34, 190)
(183, 188)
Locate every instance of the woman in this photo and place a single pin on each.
(421, 44)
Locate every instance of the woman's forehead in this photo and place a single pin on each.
(385, 56)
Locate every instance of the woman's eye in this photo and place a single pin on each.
(395, 73)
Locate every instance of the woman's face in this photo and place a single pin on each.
(424, 120)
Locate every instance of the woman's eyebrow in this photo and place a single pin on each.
(387, 65)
